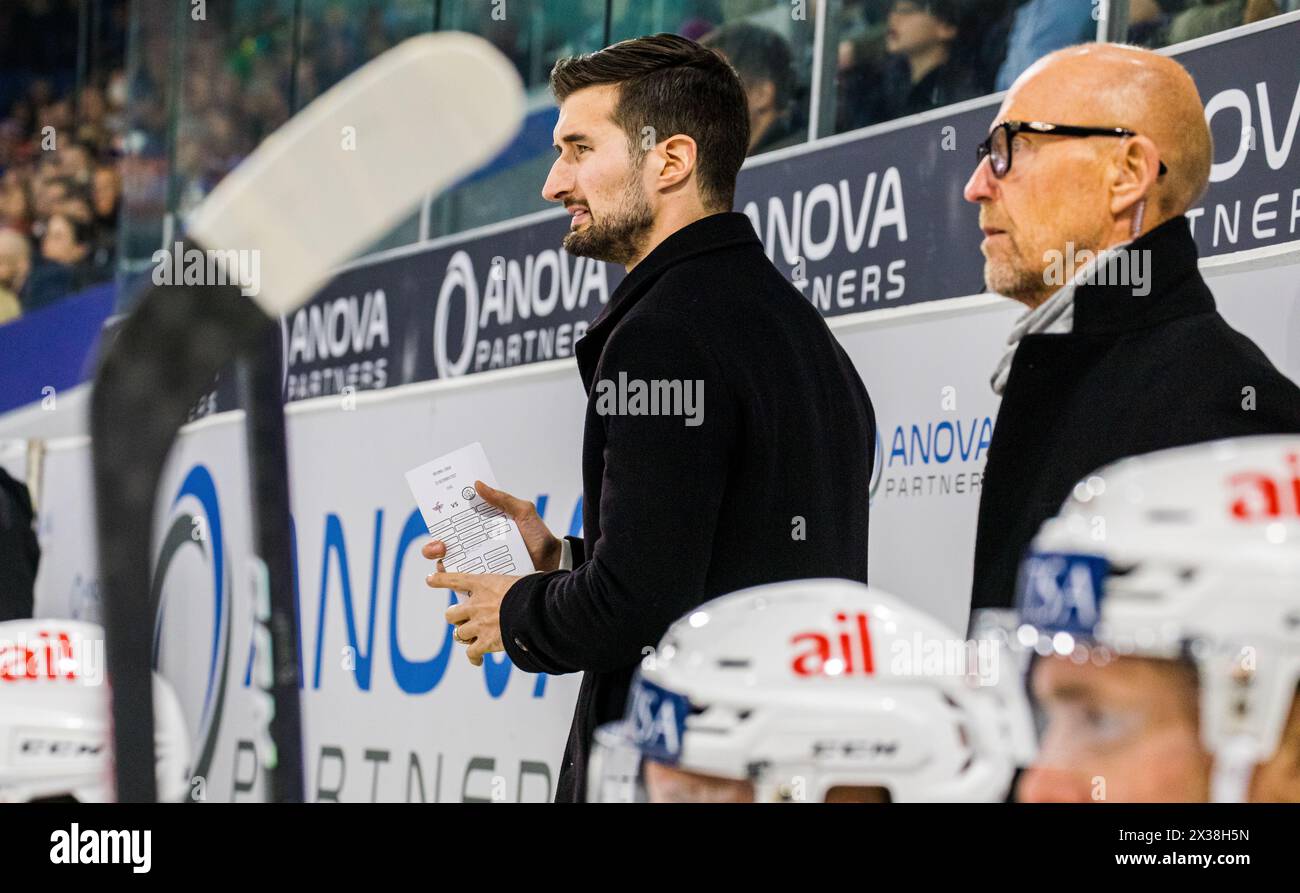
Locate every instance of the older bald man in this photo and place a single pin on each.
(1098, 151)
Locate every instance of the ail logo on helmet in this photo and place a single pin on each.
(37, 658)
(849, 654)
(1261, 496)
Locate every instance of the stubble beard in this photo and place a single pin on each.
(619, 236)
(1022, 279)
(1007, 277)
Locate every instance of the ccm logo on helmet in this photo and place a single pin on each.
(1260, 496)
(851, 653)
(59, 748)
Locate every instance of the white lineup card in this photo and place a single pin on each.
(480, 538)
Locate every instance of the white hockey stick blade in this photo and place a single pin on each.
(357, 160)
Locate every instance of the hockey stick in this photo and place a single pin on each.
(333, 179)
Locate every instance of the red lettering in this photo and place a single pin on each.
(846, 649)
(865, 637)
(1294, 461)
(1257, 496)
(821, 652)
(38, 658)
(812, 661)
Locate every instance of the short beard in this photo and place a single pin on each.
(1015, 282)
(620, 236)
(1028, 284)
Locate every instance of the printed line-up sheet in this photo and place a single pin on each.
(480, 539)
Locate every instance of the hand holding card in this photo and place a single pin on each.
(480, 538)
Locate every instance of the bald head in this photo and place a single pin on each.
(1112, 85)
(1068, 192)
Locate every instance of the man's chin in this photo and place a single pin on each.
(578, 243)
(597, 245)
(1002, 279)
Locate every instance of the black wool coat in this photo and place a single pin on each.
(19, 552)
(1136, 374)
(772, 485)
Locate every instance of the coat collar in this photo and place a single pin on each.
(710, 233)
(1176, 286)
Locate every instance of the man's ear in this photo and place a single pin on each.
(1135, 167)
(677, 161)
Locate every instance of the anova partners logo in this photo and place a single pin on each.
(201, 530)
(550, 287)
(930, 458)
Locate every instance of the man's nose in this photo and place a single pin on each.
(982, 185)
(1049, 785)
(559, 182)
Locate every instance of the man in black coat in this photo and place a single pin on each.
(759, 472)
(1128, 355)
(19, 551)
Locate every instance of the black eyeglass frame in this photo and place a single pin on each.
(1012, 128)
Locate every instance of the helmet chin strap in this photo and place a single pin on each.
(1234, 765)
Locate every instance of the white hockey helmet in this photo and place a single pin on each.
(800, 687)
(1193, 554)
(55, 738)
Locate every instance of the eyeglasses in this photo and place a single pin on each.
(998, 144)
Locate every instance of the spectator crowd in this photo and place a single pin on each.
(65, 152)
(60, 151)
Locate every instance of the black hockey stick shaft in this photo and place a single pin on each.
(163, 358)
(268, 464)
(303, 200)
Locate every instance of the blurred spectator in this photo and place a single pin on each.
(924, 69)
(988, 36)
(106, 197)
(66, 240)
(1041, 26)
(1148, 21)
(762, 59)
(1204, 17)
(15, 203)
(75, 163)
(15, 265)
(50, 190)
(860, 58)
(76, 206)
(65, 267)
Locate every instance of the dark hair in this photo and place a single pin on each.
(950, 12)
(673, 85)
(757, 54)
